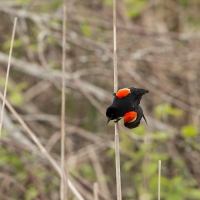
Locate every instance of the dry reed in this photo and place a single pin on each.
(117, 153)
(7, 74)
(63, 187)
(96, 191)
(159, 175)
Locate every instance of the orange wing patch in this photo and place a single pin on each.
(123, 92)
(130, 117)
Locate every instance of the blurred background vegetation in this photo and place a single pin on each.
(158, 49)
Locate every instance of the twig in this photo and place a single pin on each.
(96, 191)
(7, 74)
(159, 174)
(117, 154)
(63, 188)
(41, 147)
(38, 71)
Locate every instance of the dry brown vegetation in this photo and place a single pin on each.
(158, 49)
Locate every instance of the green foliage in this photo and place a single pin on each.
(193, 22)
(166, 109)
(86, 30)
(141, 130)
(16, 98)
(184, 3)
(14, 92)
(161, 136)
(32, 193)
(12, 159)
(134, 7)
(17, 43)
(177, 189)
(33, 47)
(111, 152)
(192, 194)
(171, 188)
(189, 131)
(128, 165)
(87, 171)
(51, 39)
(108, 2)
(23, 1)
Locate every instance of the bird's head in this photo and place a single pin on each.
(112, 113)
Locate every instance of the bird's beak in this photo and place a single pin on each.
(108, 120)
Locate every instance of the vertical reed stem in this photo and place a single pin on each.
(7, 74)
(117, 153)
(63, 189)
(96, 191)
(159, 175)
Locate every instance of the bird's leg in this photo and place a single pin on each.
(144, 119)
(117, 120)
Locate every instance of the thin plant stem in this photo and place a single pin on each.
(115, 48)
(7, 74)
(159, 175)
(117, 152)
(96, 191)
(117, 160)
(63, 188)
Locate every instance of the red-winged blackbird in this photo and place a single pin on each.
(126, 102)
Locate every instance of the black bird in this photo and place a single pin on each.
(124, 101)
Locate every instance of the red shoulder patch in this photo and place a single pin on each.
(123, 92)
(130, 117)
